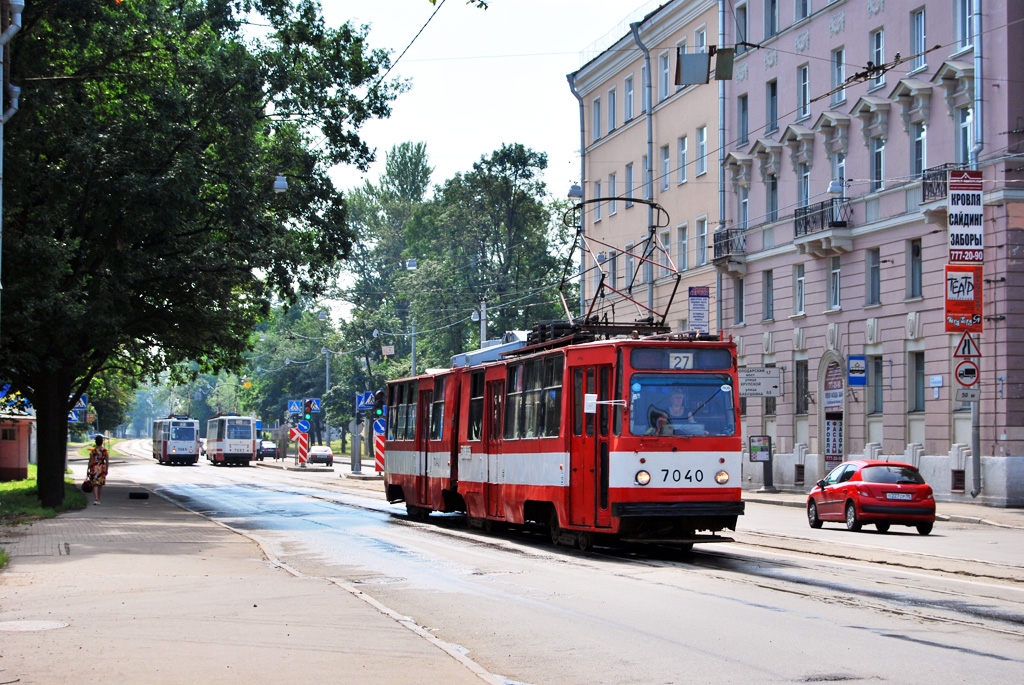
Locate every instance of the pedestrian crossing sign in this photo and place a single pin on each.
(967, 347)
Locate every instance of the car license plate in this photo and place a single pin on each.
(898, 495)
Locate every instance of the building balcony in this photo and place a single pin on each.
(933, 182)
(730, 252)
(823, 229)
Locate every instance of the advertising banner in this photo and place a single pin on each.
(966, 216)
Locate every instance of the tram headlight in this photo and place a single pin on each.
(722, 477)
(643, 478)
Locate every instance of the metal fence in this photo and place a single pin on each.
(832, 213)
(729, 242)
(933, 182)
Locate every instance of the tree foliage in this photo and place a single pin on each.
(141, 229)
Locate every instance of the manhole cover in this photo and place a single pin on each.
(30, 626)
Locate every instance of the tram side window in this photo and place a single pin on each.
(411, 397)
(401, 410)
(591, 389)
(392, 419)
(602, 409)
(577, 404)
(533, 400)
(474, 429)
(514, 402)
(617, 414)
(437, 412)
(552, 409)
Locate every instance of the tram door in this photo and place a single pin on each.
(494, 412)
(588, 457)
(423, 444)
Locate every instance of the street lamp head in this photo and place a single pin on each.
(576, 192)
(324, 350)
(835, 188)
(476, 315)
(287, 362)
(410, 264)
(322, 316)
(280, 184)
(376, 333)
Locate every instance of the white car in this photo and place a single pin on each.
(321, 454)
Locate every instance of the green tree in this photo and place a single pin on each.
(141, 227)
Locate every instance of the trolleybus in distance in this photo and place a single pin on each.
(176, 440)
(231, 439)
(622, 438)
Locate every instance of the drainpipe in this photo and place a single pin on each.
(649, 171)
(976, 149)
(583, 186)
(16, 6)
(721, 169)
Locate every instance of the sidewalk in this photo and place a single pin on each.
(142, 591)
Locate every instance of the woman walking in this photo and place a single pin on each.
(99, 462)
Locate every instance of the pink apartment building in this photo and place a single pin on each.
(828, 230)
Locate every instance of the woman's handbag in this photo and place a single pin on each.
(87, 486)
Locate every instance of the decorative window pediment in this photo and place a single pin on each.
(769, 156)
(835, 128)
(957, 82)
(915, 98)
(874, 117)
(738, 165)
(800, 141)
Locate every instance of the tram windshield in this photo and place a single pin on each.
(681, 404)
(183, 431)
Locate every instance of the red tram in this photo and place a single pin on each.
(634, 438)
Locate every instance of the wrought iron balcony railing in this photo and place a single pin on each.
(933, 182)
(832, 213)
(729, 242)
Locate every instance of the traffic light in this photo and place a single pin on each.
(307, 412)
(360, 417)
(378, 405)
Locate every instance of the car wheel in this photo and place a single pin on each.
(812, 515)
(851, 517)
(924, 528)
(882, 527)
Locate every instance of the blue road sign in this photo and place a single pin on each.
(316, 404)
(364, 400)
(82, 403)
(378, 426)
(294, 406)
(259, 425)
(73, 416)
(303, 426)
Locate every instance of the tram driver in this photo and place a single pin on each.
(675, 418)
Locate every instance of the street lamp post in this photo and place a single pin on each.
(327, 387)
(481, 315)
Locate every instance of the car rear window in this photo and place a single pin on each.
(891, 474)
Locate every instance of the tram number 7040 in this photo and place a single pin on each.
(676, 475)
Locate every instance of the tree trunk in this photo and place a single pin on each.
(52, 426)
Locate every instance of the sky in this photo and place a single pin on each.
(481, 78)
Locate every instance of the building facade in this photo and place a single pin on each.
(840, 124)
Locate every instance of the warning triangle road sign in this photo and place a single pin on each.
(967, 347)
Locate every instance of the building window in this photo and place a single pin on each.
(597, 205)
(914, 268)
(838, 76)
(612, 193)
(663, 76)
(802, 387)
(839, 169)
(798, 289)
(742, 29)
(964, 134)
(630, 265)
(683, 257)
(964, 16)
(772, 198)
(648, 265)
(627, 99)
(917, 40)
(665, 168)
(771, 104)
(835, 300)
(613, 269)
(666, 242)
(744, 208)
(803, 91)
(737, 300)
(700, 40)
(802, 9)
(742, 119)
(771, 18)
(873, 294)
(680, 50)
(876, 384)
(768, 294)
(919, 156)
(597, 271)
(803, 185)
(597, 118)
(681, 171)
(611, 110)
(629, 184)
(877, 164)
(877, 52)
(644, 90)
(702, 242)
(915, 402)
(702, 150)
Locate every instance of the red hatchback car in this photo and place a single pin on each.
(878, 492)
